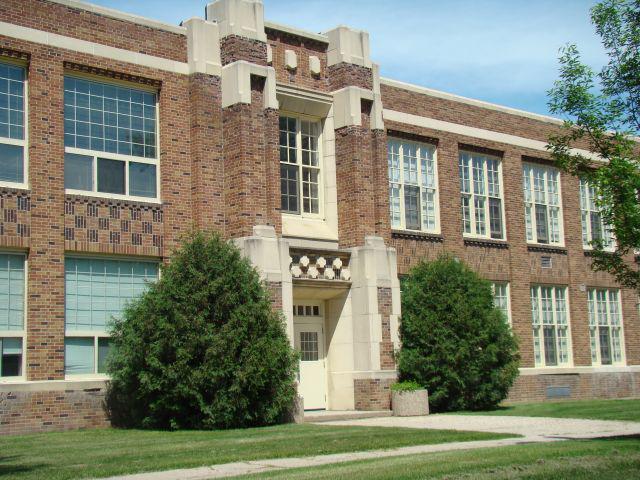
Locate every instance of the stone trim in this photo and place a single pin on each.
(480, 242)
(419, 236)
(545, 249)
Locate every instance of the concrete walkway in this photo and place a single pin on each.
(532, 430)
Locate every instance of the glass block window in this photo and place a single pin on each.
(12, 124)
(501, 298)
(481, 196)
(543, 211)
(109, 118)
(12, 288)
(413, 186)
(98, 289)
(550, 321)
(605, 327)
(308, 346)
(593, 227)
(300, 166)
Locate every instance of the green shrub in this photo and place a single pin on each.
(455, 342)
(406, 386)
(202, 348)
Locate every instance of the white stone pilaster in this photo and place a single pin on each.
(244, 18)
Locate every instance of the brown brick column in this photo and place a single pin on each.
(381, 181)
(206, 152)
(356, 182)
(45, 288)
(387, 357)
(250, 160)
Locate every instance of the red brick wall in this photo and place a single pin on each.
(15, 218)
(387, 354)
(373, 394)
(37, 412)
(346, 74)
(92, 27)
(303, 48)
(234, 48)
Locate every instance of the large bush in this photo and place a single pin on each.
(454, 341)
(202, 348)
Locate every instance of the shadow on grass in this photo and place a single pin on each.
(11, 465)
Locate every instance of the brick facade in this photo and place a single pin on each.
(220, 170)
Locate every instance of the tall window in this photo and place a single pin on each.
(12, 331)
(413, 195)
(12, 122)
(593, 227)
(300, 166)
(110, 137)
(550, 323)
(543, 214)
(605, 326)
(96, 291)
(501, 298)
(481, 196)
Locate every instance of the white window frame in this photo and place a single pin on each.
(472, 194)
(594, 324)
(321, 164)
(127, 159)
(507, 286)
(540, 326)
(585, 212)
(436, 190)
(24, 143)
(96, 335)
(528, 173)
(22, 334)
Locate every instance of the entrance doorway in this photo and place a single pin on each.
(308, 327)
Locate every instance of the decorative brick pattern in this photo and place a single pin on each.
(373, 394)
(387, 357)
(36, 412)
(108, 226)
(15, 218)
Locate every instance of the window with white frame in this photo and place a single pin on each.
(542, 204)
(12, 124)
(550, 321)
(605, 326)
(96, 291)
(481, 196)
(413, 191)
(111, 140)
(12, 310)
(300, 166)
(593, 227)
(501, 298)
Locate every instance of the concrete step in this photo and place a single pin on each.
(319, 416)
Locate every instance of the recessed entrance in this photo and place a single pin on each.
(308, 327)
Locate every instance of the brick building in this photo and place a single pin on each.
(119, 133)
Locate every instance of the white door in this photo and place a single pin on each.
(309, 341)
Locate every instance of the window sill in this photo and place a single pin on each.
(53, 385)
(112, 197)
(14, 187)
(485, 242)
(417, 235)
(539, 247)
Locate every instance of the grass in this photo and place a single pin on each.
(627, 410)
(107, 452)
(603, 459)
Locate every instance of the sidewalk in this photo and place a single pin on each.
(533, 430)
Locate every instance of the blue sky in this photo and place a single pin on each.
(501, 51)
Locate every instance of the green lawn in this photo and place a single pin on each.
(572, 460)
(102, 453)
(628, 410)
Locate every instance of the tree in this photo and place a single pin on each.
(455, 342)
(603, 110)
(202, 348)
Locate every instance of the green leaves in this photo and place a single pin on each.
(603, 114)
(202, 348)
(455, 342)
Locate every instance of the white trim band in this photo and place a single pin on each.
(481, 133)
(91, 48)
